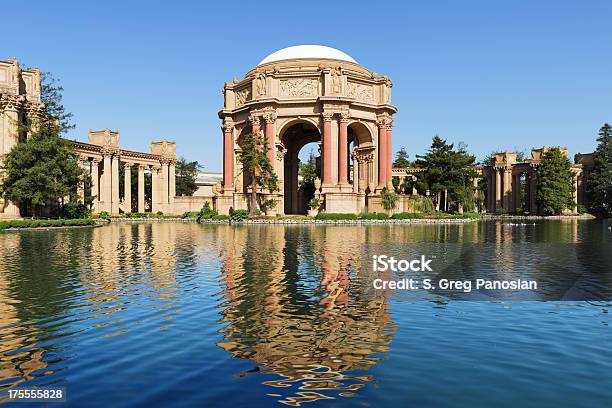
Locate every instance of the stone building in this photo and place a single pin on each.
(505, 173)
(305, 94)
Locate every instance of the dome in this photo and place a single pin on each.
(307, 52)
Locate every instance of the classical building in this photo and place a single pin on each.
(505, 176)
(305, 94)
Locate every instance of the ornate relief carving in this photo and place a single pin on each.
(269, 116)
(260, 85)
(280, 151)
(345, 116)
(336, 75)
(327, 116)
(384, 121)
(242, 96)
(299, 87)
(361, 92)
(228, 124)
(12, 102)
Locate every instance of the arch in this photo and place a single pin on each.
(361, 132)
(290, 122)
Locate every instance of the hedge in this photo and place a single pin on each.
(336, 216)
(374, 216)
(45, 223)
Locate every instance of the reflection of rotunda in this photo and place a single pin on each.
(304, 94)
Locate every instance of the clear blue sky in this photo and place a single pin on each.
(495, 75)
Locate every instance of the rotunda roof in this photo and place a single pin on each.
(307, 52)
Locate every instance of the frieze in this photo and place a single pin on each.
(361, 92)
(299, 87)
(242, 96)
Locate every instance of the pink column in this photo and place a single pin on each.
(270, 136)
(327, 148)
(389, 156)
(382, 156)
(228, 157)
(343, 151)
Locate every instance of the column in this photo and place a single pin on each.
(171, 184)
(95, 182)
(382, 155)
(81, 183)
(228, 156)
(389, 156)
(105, 184)
(115, 185)
(155, 189)
(508, 190)
(141, 188)
(343, 150)
(127, 188)
(498, 189)
(270, 129)
(163, 197)
(327, 149)
(355, 174)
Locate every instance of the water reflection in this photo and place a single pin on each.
(96, 309)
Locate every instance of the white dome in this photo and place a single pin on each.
(307, 51)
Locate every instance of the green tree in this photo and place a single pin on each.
(555, 183)
(401, 158)
(43, 170)
(186, 174)
(447, 168)
(599, 184)
(308, 174)
(257, 166)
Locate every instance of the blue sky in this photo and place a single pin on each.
(494, 75)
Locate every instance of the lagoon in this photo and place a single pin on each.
(185, 314)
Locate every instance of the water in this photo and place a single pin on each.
(180, 314)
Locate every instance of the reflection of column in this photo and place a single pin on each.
(382, 155)
(127, 187)
(95, 162)
(327, 149)
(498, 189)
(228, 156)
(343, 150)
(105, 184)
(115, 185)
(507, 194)
(163, 197)
(155, 189)
(141, 189)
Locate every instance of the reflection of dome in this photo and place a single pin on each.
(307, 52)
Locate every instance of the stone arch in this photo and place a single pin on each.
(361, 132)
(292, 121)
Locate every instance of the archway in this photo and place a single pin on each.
(294, 138)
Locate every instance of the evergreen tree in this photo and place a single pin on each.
(186, 174)
(401, 158)
(599, 184)
(256, 164)
(555, 183)
(308, 173)
(43, 169)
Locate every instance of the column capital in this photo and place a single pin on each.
(269, 116)
(12, 103)
(344, 116)
(127, 164)
(228, 124)
(141, 166)
(327, 116)
(254, 120)
(384, 120)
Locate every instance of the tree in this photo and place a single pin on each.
(401, 158)
(555, 183)
(257, 166)
(43, 169)
(447, 169)
(599, 184)
(186, 174)
(308, 173)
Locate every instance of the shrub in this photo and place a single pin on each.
(269, 204)
(45, 223)
(75, 210)
(423, 204)
(135, 215)
(206, 212)
(239, 215)
(220, 217)
(159, 213)
(104, 215)
(374, 216)
(389, 200)
(314, 203)
(581, 210)
(336, 216)
(407, 216)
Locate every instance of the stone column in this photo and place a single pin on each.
(171, 184)
(105, 184)
(508, 190)
(327, 149)
(10, 135)
(81, 183)
(115, 185)
(95, 182)
(343, 149)
(155, 193)
(382, 155)
(355, 174)
(255, 124)
(163, 197)
(270, 129)
(127, 187)
(228, 156)
(141, 188)
(498, 189)
(389, 156)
